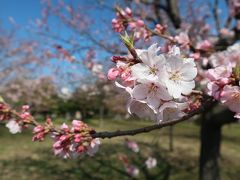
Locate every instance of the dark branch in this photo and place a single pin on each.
(149, 128)
(215, 15)
(173, 13)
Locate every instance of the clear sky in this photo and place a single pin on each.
(25, 11)
(21, 10)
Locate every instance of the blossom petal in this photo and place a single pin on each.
(153, 102)
(174, 63)
(174, 89)
(187, 87)
(140, 92)
(188, 72)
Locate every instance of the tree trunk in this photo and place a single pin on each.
(211, 126)
(210, 151)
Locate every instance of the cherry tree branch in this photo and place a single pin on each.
(132, 132)
(216, 15)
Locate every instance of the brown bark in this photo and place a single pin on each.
(211, 137)
(210, 151)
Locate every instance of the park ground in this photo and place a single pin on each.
(21, 159)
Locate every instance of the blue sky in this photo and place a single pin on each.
(25, 11)
(21, 10)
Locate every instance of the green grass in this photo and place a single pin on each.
(20, 158)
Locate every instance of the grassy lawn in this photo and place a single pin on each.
(22, 159)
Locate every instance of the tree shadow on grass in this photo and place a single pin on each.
(104, 165)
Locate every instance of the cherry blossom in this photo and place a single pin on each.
(171, 111)
(75, 141)
(179, 75)
(151, 93)
(94, 146)
(183, 39)
(230, 96)
(139, 29)
(39, 132)
(142, 110)
(132, 170)
(219, 72)
(160, 29)
(158, 79)
(229, 57)
(151, 162)
(213, 89)
(204, 45)
(222, 78)
(13, 126)
(132, 145)
(151, 64)
(113, 73)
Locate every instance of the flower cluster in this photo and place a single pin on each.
(125, 19)
(40, 131)
(183, 40)
(69, 142)
(75, 141)
(129, 168)
(120, 21)
(160, 84)
(224, 78)
(132, 169)
(95, 67)
(234, 8)
(15, 122)
(139, 29)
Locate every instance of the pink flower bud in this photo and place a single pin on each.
(38, 129)
(64, 127)
(63, 138)
(128, 11)
(123, 13)
(25, 107)
(57, 144)
(140, 22)
(204, 45)
(25, 115)
(77, 138)
(81, 149)
(114, 21)
(113, 73)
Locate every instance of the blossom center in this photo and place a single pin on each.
(153, 70)
(175, 76)
(153, 88)
(236, 96)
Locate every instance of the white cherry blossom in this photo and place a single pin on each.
(179, 75)
(151, 162)
(151, 65)
(13, 127)
(142, 110)
(171, 111)
(158, 84)
(151, 93)
(94, 146)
